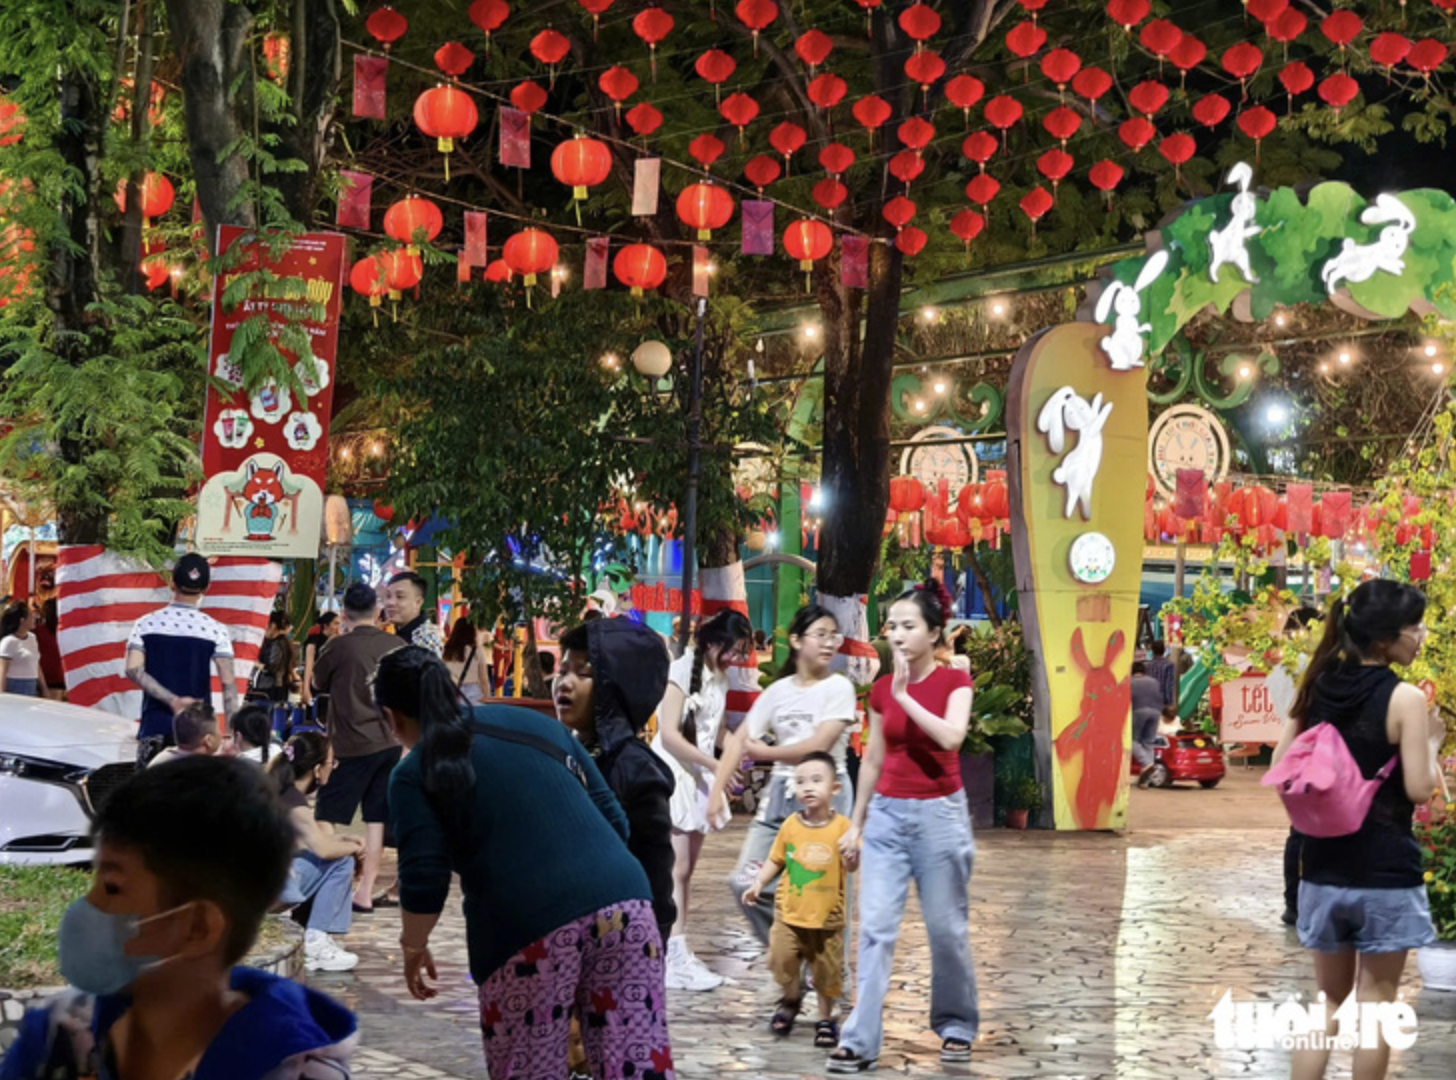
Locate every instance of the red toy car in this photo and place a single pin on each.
(1186, 755)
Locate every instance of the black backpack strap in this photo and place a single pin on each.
(536, 742)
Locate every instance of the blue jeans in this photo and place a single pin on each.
(331, 886)
(930, 841)
(1144, 735)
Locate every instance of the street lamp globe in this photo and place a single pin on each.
(653, 359)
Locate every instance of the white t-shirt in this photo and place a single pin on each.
(24, 656)
(711, 701)
(792, 713)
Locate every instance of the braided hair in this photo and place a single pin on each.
(723, 631)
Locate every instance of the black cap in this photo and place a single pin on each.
(191, 574)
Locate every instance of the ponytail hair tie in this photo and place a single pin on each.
(290, 749)
(936, 589)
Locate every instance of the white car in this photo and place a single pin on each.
(57, 763)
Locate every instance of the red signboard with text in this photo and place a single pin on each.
(265, 455)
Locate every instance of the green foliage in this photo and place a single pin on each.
(109, 440)
(1001, 666)
(994, 713)
(1026, 794)
(32, 901)
(1437, 838)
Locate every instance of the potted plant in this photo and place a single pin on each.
(1025, 799)
(1436, 832)
(993, 713)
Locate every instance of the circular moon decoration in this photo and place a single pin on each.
(931, 460)
(1186, 437)
(1092, 558)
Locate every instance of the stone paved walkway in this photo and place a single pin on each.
(1096, 956)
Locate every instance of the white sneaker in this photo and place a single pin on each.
(684, 971)
(322, 953)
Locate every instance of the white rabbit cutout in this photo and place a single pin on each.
(1359, 262)
(1066, 411)
(1227, 245)
(1124, 346)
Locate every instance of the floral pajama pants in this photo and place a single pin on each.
(605, 969)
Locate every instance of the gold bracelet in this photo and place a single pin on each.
(413, 950)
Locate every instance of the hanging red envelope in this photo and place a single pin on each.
(594, 276)
(1335, 513)
(854, 262)
(1300, 500)
(475, 222)
(701, 272)
(355, 191)
(1192, 493)
(369, 86)
(515, 138)
(758, 227)
(646, 180)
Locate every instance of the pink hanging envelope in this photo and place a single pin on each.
(475, 223)
(355, 191)
(369, 86)
(758, 227)
(595, 274)
(854, 262)
(515, 138)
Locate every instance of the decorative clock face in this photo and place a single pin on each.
(934, 460)
(1092, 558)
(1186, 437)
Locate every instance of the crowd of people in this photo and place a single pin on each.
(575, 839)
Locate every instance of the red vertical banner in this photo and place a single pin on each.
(515, 138)
(701, 270)
(594, 274)
(355, 191)
(369, 86)
(265, 455)
(758, 227)
(475, 238)
(854, 262)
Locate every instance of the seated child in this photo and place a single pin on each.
(323, 863)
(252, 735)
(809, 909)
(1169, 725)
(189, 857)
(195, 730)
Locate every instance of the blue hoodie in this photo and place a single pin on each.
(284, 1032)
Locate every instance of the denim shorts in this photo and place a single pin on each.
(1334, 919)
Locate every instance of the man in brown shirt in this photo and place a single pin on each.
(364, 748)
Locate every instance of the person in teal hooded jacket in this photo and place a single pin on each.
(190, 856)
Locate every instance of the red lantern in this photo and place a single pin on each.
(1091, 83)
(925, 68)
(1160, 37)
(446, 113)
(995, 501)
(1426, 56)
(528, 97)
(871, 111)
(596, 9)
(1266, 11)
(369, 279)
(643, 119)
(1002, 112)
(963, 92)
(1342, 27)
(1148, 97)
(762, 171)
(530, 252)
(911, 241)
(906, 166)
(1337, 91)
(1062, 123)
(829, 194)
(277, 51)
(411, 216)
(1186, 56)
(1136, 133)
(980, 147)
(652, 25)
(1128, 13)
(1105, 177)
(982, 189)
(739, 110)
(813, 47)
(1036, 202)
(401, 270)
(1025, 39)
(618, 84)
(1287, 27)
(705, 207)
(1177, 149)
(386, 26)
(550, 47)
(639, 267)
(157, 196)
(1061, 67)
(967, 225)
(916, 133)
(756, 15)
(706, 149)
(836, 158)
(907, 494)
(581, 163)
(1055, 165)
(1389, 49)
(899, 211)
(1296, 78)
(716, 67)
(454, 59)
(1256, 123)
(488, 15)
(827, 91)
(1211, 110)
(155, 268)
(498, 272)
(787, 138)
(920, 22)
(383, 511)
(808, 240)
(1242, 60)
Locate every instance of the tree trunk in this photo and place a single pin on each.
(210, 38)
(313, 83)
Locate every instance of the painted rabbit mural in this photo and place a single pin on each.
(1098, 736)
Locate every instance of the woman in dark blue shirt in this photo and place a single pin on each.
(558, 912)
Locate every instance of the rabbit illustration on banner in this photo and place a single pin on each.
(1124, 346)
(1229, 245)
(1359, 262)
(1098, 735)
(1067, 411)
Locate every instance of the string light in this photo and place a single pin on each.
(811, 331)
(1430, 348)
(1279, 319)
(376, 448)
(1324, 369)
(1245, 371)
(609, 360)
(919, 406)
(940, 386)
(998, 308)
(928, 314)
(1438, 368)
(1345, 356)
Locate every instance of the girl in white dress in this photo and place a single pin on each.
(688, 723)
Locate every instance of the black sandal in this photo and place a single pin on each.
(955, 1050)
(826, 1034)
(845, 1060)
(782, 1022)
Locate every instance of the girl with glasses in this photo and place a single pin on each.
(688, 723)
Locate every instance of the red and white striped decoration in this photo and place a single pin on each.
(857, 657)
(101, 596)
(725, 587)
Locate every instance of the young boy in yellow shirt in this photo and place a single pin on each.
(809, 911)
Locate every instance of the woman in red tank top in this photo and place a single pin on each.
(911, 811)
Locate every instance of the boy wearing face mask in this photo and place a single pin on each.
(189, 858)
